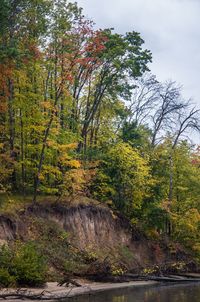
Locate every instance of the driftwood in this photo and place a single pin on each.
(68, 282)
(45, 295)
(21, 294)
(128, 277)
(174, 278)
(164, 278)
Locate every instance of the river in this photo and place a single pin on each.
(164, 293)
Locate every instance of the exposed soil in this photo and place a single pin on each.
(107, 237)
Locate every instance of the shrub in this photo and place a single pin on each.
(28, 265)
(22, 263)
(6, 256)
(6, 279)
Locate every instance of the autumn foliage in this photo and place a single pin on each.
(80, 114)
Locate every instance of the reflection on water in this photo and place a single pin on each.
(169, 293)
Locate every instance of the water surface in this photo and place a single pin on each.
(166, 293)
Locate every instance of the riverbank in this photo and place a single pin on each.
(52, 291)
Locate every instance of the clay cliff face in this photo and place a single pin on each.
(94, 226)
(7, 229)
(90, 227)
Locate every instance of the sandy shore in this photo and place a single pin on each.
(52, 289)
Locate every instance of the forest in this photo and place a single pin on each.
(81, 114)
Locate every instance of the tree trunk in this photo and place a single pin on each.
(12, 128)
(41, 158)
(22, 153)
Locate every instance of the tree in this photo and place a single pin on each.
(123, 58)
(124, 177)
(170, 104)
(138, 136)
(145, 98)
(65, 57)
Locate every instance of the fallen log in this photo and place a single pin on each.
(189, 275)
(68, 282)
(46, 295)
(43, 296)
(171, 279)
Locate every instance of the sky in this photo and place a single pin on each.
(170, 28)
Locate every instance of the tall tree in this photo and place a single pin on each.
(122, 59)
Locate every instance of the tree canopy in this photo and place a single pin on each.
(81, 113)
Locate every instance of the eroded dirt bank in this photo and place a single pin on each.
(94, 229)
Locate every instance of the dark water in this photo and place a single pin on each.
(165, 293)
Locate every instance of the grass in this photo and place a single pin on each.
(11, 203)
(14, 203)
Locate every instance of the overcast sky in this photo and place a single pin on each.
(170, 28)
